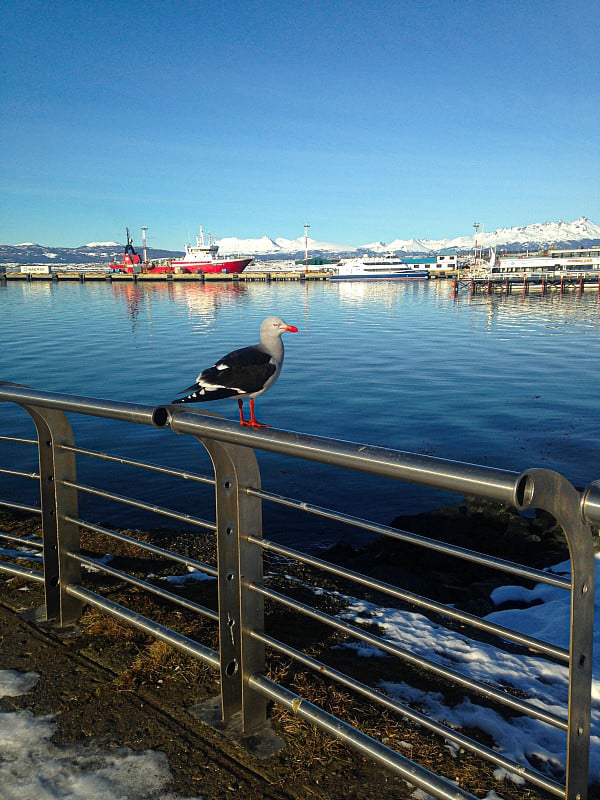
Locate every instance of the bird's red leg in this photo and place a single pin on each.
(241, 408)
(253, 421)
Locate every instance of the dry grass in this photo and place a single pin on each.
(312, 747)
(159, 664)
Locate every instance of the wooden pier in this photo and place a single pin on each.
(87, 276)
(526, 284)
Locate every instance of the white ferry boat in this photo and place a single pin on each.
(552, 262)
(372, 268)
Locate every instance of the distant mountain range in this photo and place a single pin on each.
(581, 232)
(92, 253)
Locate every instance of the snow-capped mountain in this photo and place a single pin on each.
(297, 246)
(262, 246)
(279, 246)
(581, 232)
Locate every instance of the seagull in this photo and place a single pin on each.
(246, 372)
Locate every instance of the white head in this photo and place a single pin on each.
(275, 326)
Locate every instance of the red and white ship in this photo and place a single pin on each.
(203, 257)
(198, 258)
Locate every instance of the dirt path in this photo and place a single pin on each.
(90, 705)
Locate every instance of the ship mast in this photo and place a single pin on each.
(476, 226)
(144, 245)
(306, 227)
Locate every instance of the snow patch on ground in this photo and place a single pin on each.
(33, 768)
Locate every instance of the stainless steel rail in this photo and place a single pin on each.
(378, 698)
(454, 476)
(151, 548)
(143, 506)
(535, 645)
(244, 644)
(590, 503)
(19, 439)
(423, 664)
(413, 773)
(22, 540)
(151, 588)
(90, 406)
(182, 643)
(130, 462)
(17, 473)
(510, 567)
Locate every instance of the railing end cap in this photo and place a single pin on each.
(161, 417)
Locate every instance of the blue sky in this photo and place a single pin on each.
(369, 121)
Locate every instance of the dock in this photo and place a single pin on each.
(89, 276)
(460, 282)
(526, 284)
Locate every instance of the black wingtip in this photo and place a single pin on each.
(189, 398)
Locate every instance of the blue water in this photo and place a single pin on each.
(510, 382)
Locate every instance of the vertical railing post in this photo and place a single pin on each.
(241, 611)
(60, 537)
(552, 492)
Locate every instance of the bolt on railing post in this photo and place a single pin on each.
(239, 563)
(58, 501)
(550, 491)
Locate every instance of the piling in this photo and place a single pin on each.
(527, 283)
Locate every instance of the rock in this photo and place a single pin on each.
(473, 524)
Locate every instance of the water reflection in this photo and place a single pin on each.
(386, 293)
(552, 310)
(133, 296)
(201, 302)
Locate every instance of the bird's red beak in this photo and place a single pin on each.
(291, 328)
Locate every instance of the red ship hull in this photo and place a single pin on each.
(224, 266)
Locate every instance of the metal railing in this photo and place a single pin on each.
(242, 590)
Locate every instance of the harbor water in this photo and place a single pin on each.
(506, 381)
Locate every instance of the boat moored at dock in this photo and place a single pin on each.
(552, 262)
(384, 267)
(203, 257)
